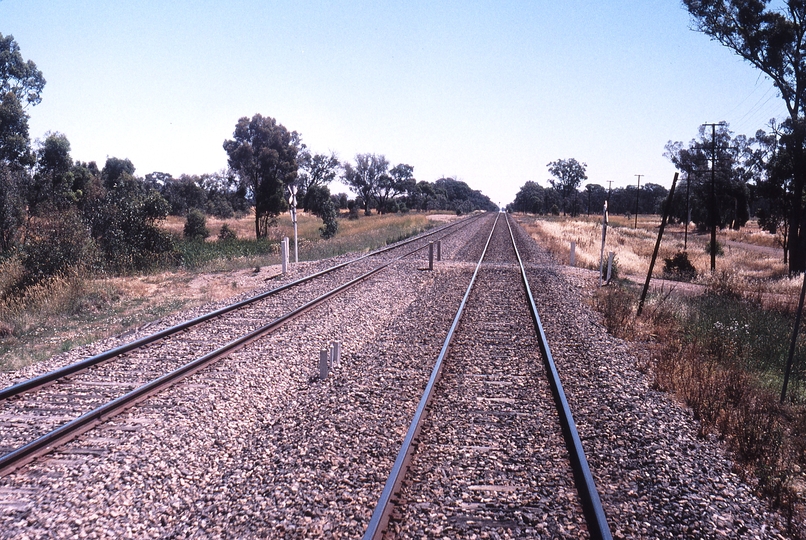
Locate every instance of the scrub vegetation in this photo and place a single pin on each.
(718, 342)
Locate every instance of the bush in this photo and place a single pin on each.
(679, 267)
(219, 206)
(353, 207)
(124, 225)
(615, 302)
(719, 250)
(60, 246)
(196, 225)
(226, 234)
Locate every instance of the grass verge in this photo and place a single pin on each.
(65, 312)
(720, 349)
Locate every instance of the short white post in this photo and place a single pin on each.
(439, 250)
(324, 360)
(610, 264)
(572, 259)
(335, 354)
(604, 237)
(284, 254)
(430, 255)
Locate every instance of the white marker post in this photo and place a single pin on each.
(604, 237)
(292, 203)
(610, 257)
(284, 254)
(572, 259)
(324, 361)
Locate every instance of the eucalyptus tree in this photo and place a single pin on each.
(21, 85)
(568, 176)
(773, 40)
(363, 178)
(316, 170)
(263, 153)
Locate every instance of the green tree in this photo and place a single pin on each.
(316, 170)
(12, 206)
(17, 76)
(736, 165)
(263, 154)
(529, 199)
(196, 225)
(399, 180)
(318, 200)
(124, 223)
(568, 176)
(15, 146)
(52, 186)
(772, 40)
(21, 85)
(364, 177)
(114, 169)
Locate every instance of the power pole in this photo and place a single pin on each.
(637, 193)
(688, 211)
(713, 192)
(609, 189)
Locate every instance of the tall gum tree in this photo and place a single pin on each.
(263, 154)
(771, 40)
(21, 85)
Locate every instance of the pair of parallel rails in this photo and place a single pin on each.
(393, 496)
(25, 392)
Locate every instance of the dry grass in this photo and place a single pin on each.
(67, 312)
(720, 348)
(755, 262)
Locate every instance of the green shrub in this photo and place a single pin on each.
(679, 267)
(196, 225)
(58, 246)
(226, 234)
(719, 250)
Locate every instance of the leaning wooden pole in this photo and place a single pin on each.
(604, 238)
(794, 339)
(666, 209)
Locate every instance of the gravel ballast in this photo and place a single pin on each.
(257, 446)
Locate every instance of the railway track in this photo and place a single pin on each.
(492, 449)
(44, 412)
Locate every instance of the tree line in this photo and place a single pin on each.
(59, 215)
(271, 161)
(563, 194)
(750, 177)
(761, 177)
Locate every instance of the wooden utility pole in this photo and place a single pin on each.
(688, 211)
(667, 208)
(637, 193)
(609, 189)
(713, 192)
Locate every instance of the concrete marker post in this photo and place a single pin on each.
(324, 360)
(335, 354)
(572, 259)
(284, 254)
(439, 250)
(430, 255)
(610, 257)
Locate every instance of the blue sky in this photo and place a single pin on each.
(489, 92)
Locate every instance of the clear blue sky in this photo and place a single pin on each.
(487, 91)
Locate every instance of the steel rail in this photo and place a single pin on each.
(380, 516)
(46, 378)
(591, 504)
(66, 432)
